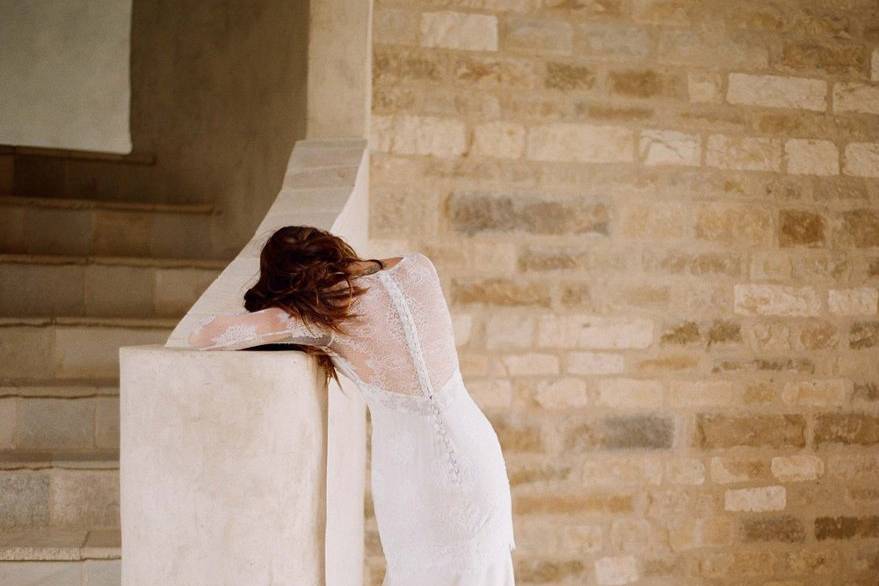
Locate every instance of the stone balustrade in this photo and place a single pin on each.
(242, 467)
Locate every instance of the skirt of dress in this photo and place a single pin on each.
(495, 571)
(440, 491)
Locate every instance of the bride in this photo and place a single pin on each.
(440, 488)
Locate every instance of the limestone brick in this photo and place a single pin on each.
(847, 428)
(846, 527)
(562, 393)
(505, 140)
(751, 299)
(816, 393)
(685, 471)
(531, 35)
(531, 363)
(630, 393)
(708, 393)
(811, 157)
(774, 91)
(568, 141)
(594, 363)
(733, 470)
(614, 41)
(510, 331)
(765, 498)
(812, 55)
(726, 431)
(458, 30)
(704, 86)
(616, 570)
(862, 159)
(801, 228)
(855, 97)
(743, 153)
(408, 134)
(668, 147)
(781, 529)
(621, 432)
(797, 467)
(596, 332)
(854, 301)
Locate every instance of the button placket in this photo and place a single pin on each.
(414, 346)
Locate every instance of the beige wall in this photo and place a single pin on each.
(219, 96)
(339, 83)
(64, 74)
(657, 222)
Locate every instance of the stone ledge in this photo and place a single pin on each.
(98, 204)
(60, 388)
(133, 158)
(106, 459)
(107, 322)
(59, 544)
(131, 261)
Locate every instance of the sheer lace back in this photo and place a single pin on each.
(402, 341)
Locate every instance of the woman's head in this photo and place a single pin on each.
(300, 270)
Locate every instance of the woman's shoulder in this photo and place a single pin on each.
(407, 262)
(419, 257)
(413, 257)
(421, 263)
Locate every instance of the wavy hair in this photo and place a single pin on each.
(300, 270)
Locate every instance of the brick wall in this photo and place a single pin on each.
(657, 224)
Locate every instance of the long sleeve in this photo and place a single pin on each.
(272, 325)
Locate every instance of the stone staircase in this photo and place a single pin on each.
(78, 279)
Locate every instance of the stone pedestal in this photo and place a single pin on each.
(238, 468)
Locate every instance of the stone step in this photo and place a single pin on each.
(66, 173)
(60, 544)
(47, 225)
(46, 285)
(83, 348)
(98, 459)
(61, 557)
(44, 489)
(134, 158)
(64, 419)
(62, 388)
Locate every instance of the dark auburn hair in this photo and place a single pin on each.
(299, 267)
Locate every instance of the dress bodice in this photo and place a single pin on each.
(402, 341)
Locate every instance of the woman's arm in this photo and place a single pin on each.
(272, 325)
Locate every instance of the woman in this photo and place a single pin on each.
(439, 482)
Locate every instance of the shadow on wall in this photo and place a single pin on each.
(219, 95)
(218, 101)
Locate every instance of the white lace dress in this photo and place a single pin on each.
(439, 482)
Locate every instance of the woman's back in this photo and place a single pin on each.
(403, 342)
(440, 488)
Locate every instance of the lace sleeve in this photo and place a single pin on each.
(272, 325)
